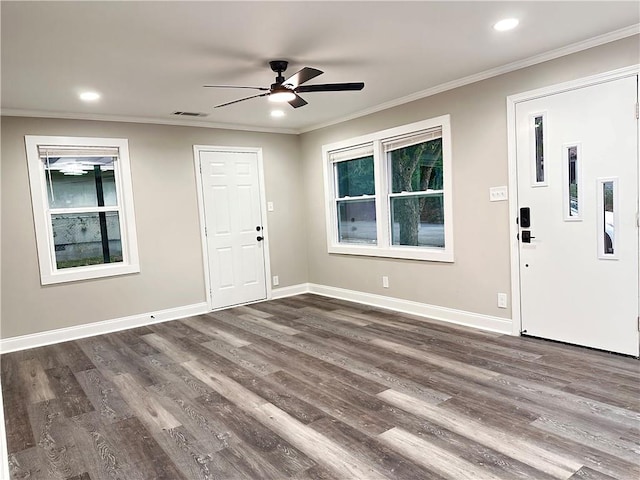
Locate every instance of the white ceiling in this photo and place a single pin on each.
(148, 59)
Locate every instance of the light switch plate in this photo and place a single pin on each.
(269, 206)
(498, 194)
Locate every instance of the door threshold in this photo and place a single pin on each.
(560, 342)
(219, 309)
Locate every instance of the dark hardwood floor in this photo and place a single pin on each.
(313, 388)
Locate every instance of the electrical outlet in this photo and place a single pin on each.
(502, 300)
(269, 206)
(276, 281)
(498, 194)
(385, 281)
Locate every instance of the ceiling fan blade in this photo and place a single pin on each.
(264, 89)
(298, 102)
(330, 87)
(242, 100)
(304, 75)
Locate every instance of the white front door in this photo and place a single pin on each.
(577, 169)
(234, 227)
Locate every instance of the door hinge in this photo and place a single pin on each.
(637, 111)
(639, 323)
(205, 231)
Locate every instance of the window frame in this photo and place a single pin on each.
(42, 212)
(383, 195)
(365, 197)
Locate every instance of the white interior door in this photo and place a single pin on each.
(577, 168)
(234, 227)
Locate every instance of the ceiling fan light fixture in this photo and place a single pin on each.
(281, 95)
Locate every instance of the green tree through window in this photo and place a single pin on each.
(355, 177)
(416, 168)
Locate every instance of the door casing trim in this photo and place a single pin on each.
(512, 101)
(197, 149)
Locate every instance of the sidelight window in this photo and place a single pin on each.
(83, 209)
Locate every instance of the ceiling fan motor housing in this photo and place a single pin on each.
(278, 87)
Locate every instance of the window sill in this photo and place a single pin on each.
(88, 273)
(408, 253)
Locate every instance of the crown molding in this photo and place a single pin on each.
(493, 72)
(9, 112)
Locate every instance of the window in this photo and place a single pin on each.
(572, 189)
(388, 194)
(416, 193)
(538, 146)
(355, 195)
(607, 217)
(82, 206)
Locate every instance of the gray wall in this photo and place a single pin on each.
(164, 189)
(481, 228)
(164, 186)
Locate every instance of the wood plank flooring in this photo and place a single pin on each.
(314, 388)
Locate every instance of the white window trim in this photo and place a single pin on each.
(49, 274)
(384, 248)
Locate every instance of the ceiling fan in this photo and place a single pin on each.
(287, 90)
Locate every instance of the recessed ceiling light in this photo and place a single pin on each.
(89, 96)
(506, 24)
(277, 113)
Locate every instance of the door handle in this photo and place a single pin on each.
(259, 238)
(526, 236)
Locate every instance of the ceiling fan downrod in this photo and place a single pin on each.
(279, 66)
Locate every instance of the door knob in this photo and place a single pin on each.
(259, 238)
(526, 236)
(258, 228)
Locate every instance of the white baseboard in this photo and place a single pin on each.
(49, 337)
(459, 317)
(289, 291)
